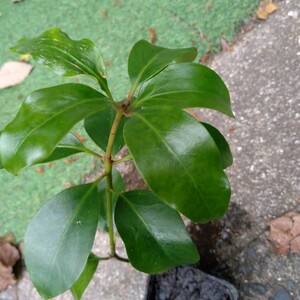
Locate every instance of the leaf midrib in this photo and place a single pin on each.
(81, 66)
(144, 69)
(147, 227)
(67, 229)
(176, 157)
(153, 96)
(48, 120)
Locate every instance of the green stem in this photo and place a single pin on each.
(109, 185)
(125, 158)
(103, 258)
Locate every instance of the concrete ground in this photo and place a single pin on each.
(263, 76)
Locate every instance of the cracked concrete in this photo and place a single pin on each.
(263, 76)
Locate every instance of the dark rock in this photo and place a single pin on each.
(189, 283)
(253, 289)
(282, 294)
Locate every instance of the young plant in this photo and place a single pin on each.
(180, 158)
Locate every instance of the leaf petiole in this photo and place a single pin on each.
(125, 158)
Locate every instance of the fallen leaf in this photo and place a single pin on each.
(13, 72)
(204, 59)
(225, 46)
(284, 233)
(208, 5)
(231, 130)
(80, 137)
(51, 164)
(6, 277)
(153, 35)
(265, 8)
(40, 170)
(108, 63)
(70, 160)
(103, 13)
(25, 58)
(9, 256)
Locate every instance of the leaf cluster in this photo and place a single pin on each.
(181, 159)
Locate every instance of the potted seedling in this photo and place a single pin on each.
(181, 159)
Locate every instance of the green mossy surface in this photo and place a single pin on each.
(114, 26)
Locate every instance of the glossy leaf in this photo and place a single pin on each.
(59, 239)
(65, 56)
(221, 143)
(179, 160)
(86, 276)
(69, 145)
(118, 185)
(186, 85)
(98, 127)
(154, 234)
(45, 117)
(146, 60)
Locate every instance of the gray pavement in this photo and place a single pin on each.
(263, 76)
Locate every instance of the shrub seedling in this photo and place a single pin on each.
(180, 158)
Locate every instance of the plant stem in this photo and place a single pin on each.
(109, 183)
(121, 258)
(104, 258)
(125, 158)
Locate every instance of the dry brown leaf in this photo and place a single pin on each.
(9, 255)
(70, 160)
(80, 137)
(284, 233)
(6, 277)
(153, 35)
(40, 170)
(208, 5)
(204, 59)
(108, 63)
(265, 8)
(13, 72)
(25, 58)
(225, 46)
(103, 13)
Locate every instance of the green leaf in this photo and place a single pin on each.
(98, 127)
(179, 160)
(86, 276)
(59, 239)
(68, 146)
(118, 185)
(65, 56)
(145, 60)
(221, 143)
(45, 117)
(154, 234)
(186, 85)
